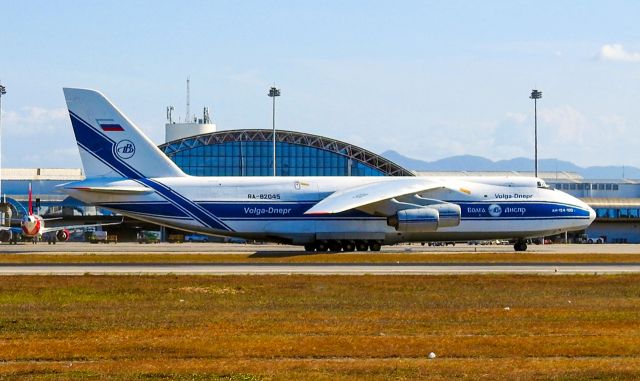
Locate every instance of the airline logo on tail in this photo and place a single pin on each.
(125, 149)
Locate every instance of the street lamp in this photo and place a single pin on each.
(535, 95)
(273, 93)
(3, 91)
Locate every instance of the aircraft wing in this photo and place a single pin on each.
(361, 197)
(78, 226)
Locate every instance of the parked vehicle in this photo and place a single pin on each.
(586, 239)
(149, 236)
(440, 243)
(101, 237)
(175, 238)
(196, 238)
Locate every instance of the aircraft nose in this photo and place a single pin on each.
(592, 214)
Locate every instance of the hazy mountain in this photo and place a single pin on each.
(478, 163)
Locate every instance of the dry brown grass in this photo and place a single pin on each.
(302, 257)
(320, 327)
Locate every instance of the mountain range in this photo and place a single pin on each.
(477, 163)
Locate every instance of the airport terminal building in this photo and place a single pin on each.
(249, 153)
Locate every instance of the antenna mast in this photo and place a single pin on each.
(187, 117)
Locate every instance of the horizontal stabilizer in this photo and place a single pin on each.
(114, 190)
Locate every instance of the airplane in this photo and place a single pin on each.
(128, 174)
(33, 226)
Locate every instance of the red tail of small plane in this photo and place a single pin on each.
(30, 201)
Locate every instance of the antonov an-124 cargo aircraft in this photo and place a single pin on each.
(128, 174)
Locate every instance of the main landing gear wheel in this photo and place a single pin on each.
(375, 246)
(307, 247)
(362, 246)
(520, 246)
(322, 246)
(335, 246)
(348, 245)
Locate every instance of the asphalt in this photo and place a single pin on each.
(230, 248)
(315, 269)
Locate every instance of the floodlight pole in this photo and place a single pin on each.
(273, 93)
(535, 95)
(3, 91)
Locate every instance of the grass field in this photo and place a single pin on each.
(320, 327)
(302, 257)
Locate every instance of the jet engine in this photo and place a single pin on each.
(62, 235)
(5, 235)
(426, 219)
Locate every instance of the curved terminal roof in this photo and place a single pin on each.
(346, 150)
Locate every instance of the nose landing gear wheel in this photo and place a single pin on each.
(520, 246)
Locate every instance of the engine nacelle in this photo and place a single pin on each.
(449, 214)
(62, 235)
(6, 235)
(415, 220)
(426, 219)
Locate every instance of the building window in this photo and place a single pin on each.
(256, 159)
(615, 187)
(609, 186)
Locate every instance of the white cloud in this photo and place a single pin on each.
(617, 52)
(569, 124)
(32, 120)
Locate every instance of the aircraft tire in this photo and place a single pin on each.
(310, 247)
(335, 246)
(520, 246)
(375, 245)
(348, 246)
(322, 246)
(362, 246)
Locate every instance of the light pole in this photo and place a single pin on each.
(273, 93)
(3, 91)
(535, 95)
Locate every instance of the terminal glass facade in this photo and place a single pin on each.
(255, 158)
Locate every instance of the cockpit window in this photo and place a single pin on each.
(543, 184)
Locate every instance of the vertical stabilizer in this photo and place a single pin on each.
(110, 144)
(30, 200)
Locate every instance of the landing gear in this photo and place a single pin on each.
(337, 246)
(375, 245)
(321, 246)
(348, 245)
(520, 246)
(362, 246)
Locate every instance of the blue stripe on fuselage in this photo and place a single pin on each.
(290, 210)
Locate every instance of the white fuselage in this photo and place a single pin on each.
(272, 208)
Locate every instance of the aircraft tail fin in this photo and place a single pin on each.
(110, 144)
(30, 200)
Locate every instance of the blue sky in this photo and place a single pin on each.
(429, 79)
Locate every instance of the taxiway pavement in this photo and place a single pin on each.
(315, 269)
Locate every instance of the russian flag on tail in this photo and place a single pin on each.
(109, 125)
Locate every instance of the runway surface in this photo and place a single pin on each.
(230, 248)
(318, 269)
